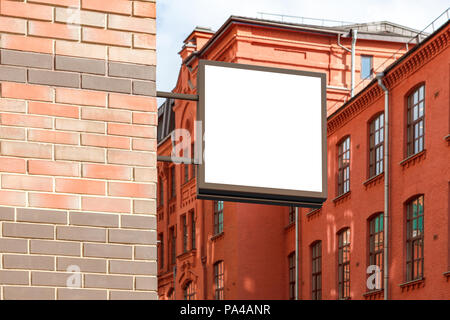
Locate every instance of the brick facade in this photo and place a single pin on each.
(78, 149)
(256, 242)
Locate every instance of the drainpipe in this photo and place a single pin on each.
(386, 184)
(354, 36)
(352, 51)
(174, 282)
(296, 254)
(203, 251)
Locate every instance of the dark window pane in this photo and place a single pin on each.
(316, 250)
(344, 264)
(366, 67)
(414, 239)
(415, 127)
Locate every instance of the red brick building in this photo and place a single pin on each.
(212, 250)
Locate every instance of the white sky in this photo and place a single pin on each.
(177, 18)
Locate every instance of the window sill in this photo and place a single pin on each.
(342, 198)
(447, 138)
(314, 214)
(289, 226)
(373, 180)
(374, 294)
(187, 253)
(447, 275)
(165, 274)
(413, 159)
(217, 236)
(190, 181)
(413, 284)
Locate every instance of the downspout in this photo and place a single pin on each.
(386, 185)
(352, 51)
(354, 36)
(203, 252)
(296, 254)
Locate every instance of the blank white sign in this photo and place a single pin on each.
(263, 129)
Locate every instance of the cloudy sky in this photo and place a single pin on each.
(177, 18)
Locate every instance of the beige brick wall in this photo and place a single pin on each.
(78, 149)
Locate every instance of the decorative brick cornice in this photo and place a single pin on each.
(374, 295)
(394, 75)
(314, 214)
(354, 107)
(424, 54)
(412, 285)
(373, 181)
(414, 159)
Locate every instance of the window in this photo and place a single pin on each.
(189, 291)
(291, 214)
(161, 193)
(376, 145)
(316, 267)
(185, 232)
(366, 67)
(172, 177)
(376, 244)
(192, 230)
(414, 239)
(170, 294)
(218, 217)
(416, 114)
(344, 264)
(291, 260)
(344, 166)
(192, 165)
(186, 172)
(218, 280)
(173, 245)
(186, 153)
(161, 251)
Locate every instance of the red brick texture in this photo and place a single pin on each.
(77, 119)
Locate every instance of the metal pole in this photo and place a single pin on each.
(296, 254)
(386, 196)
(180, 96)
(177, 160)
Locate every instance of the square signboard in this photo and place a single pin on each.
(264, 134)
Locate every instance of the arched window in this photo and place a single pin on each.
(376, 145)
(172, 182)
(343, 181)
(416, 121)
(316, 270)
(376, 243)
(189, 291)
(218, 280)
(414, 238)
(344, 264)
(218, 217)
(161, 251)
(291, 261)
(291, 214)
(170, 294)
(161, 192)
